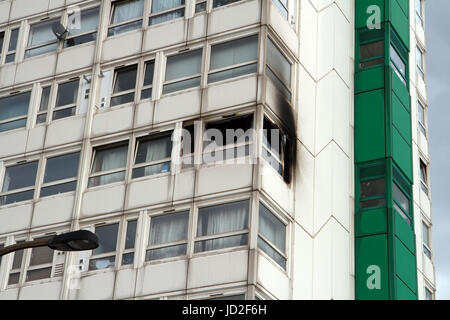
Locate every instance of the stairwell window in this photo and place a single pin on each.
(233, 59)
(66, 100)
(14, 111)
(222, 226)
(60, 174)
(130, 241)
(278, 69)
(272, 236)
(183, 71)
(153, 155)
(166, 10)
(124, 85)
(85, 31)
(126, 15)
(18, 183)
(105, 255)
(109, 164)
(168, 236)
(41, 39)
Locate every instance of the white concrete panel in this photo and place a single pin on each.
(23, 8)
(144, 114)
(197, 27)
(35, 68)
(304, 189)
(274, 185)
(154, 278)
(425, 204)
(122, 46)
(44, 291)
(36, 139)
(65, 131)
(74, 58)
(283, 28)
(113, 120)
(10, 294)
(13, 142)
(15, 218)
(421, 87)
(150, 191)
(4, 11)
(223, 178)
(244, 13)
(165, 34)
(53, 4)
(420, 33)
(54, 209)
(273, 278)
(231, 93)
(428, 269)
(423, 144)
(184, 185)
(125, 284)
(203, 270)
(97, 287)
(7, 75)
(103, 200)
(306, 114)
(308, 38)
(177, 105)
(303, 265)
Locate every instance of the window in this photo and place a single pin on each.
(183, 71)
(272, 236)
(41, 263)
(43, 105)
(228, 139)
(166, 10)
(283, 6)
(188, 146)
(401, 203)
(126, 15)
(426, 239)
(419, 12)
(2, 40)
(66, 100)
(85, 31)
(105, 255)
(10, 49)
(371, 48)
(372, 192)
(421, 117)
(147, 85)
(233, 59)
(423, 176)
(168, 236)
(420, 62)
(153, 155)
(60, 174)
(398, 64)
(222, 226)
(41, 39)
(278, 69)
(274, 145)
(124, 85)
(16, 268)
(109, 165)
(201, 6)
(219, 3)
(14, 111)
(18, 183)
(130, 241)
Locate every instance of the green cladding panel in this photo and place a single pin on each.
(384, 221)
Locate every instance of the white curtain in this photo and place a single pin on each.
(184, 65)
(127, 10)
(108, 160)
(169, 228)
(234, 52)
(88, 22)
(272, 228)
(162, 5)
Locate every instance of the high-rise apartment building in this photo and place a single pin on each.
(247, 149)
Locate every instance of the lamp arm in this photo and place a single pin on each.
(23, 245)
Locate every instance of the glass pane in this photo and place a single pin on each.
(64, 113)
(283, 10)
(169, 228)
(398, 62)
(146, 94)
(126, 10)
(372, 203)
(17, 261)
(107, 238)
(166, 16)
(109, 159)
(149, 70)
(131, 234)
(272, 228)
(102, 263)
(20, 176)
(232, 73)
(88, 22)
(14, 278)
(423, 172)
(106, 179)
(221, 243)
(126, 98)
(41, 118)
(372, 188)
(41, 33)
(219, 3)
(2, 39)
(80, 39)
(10, 57)
(67, 93)
(419, 58)
(370, 50)
(200, 7)
(17, 197)
(125, 28)
(45, 98)
(400, 198)
(279, 84)
(125, 79)
(14, 106)
(128, 258)
(181, 85)
(41, 255)
(151, 170)
(62, 167)
(13, 40)
(41, 50)
(154, 149)
(39, 274)
(13, 125)
(223, 218)
(229, 131)
(420, 112)
(279, 63)
(234, 52)
(264, 246)
(183, 65)
(167, 252)
(162, 5)
(426, 234)
(273, 138)
(59, 188)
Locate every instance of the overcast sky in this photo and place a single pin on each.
(438, 80)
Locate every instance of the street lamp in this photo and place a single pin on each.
(72, 241)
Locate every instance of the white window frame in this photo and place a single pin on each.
(164, 12)
(422, 126)
(420, 68)
(69, 106)
(20, 270)
(130, 21)
(44, 44)
(121, 250)
(427, 246)
(114, 254)
(199, 3)
(279, 158)
(126, 92)
(142, 78)
(5, 52)
(84, 33)
(45, 112)
(424, 184)
(25, 116)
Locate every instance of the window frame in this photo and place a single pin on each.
(23, 189)
(123, 23)
(122, 238)
(73, 105)
(17, 118)
(46, 111)
(43, 44)
(420, 53)
(426, 239)
(141, 78)
(424, 176)
(423, 127)
(153, 15)
(373, 177)
(5, 51)
(108, 254)
(84, 33)
(267, 66)
(134, 90)
(282, 158)
(20, 270)
(28, 267)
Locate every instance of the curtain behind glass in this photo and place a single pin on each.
(161, 5)
(89, 22)
(169, 228)
(272, 228)
(41, 33)
(127, 10)
(184, 65)
(108, 160)
(234, 52)
(14, 106)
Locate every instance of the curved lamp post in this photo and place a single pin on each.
(72, 241)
